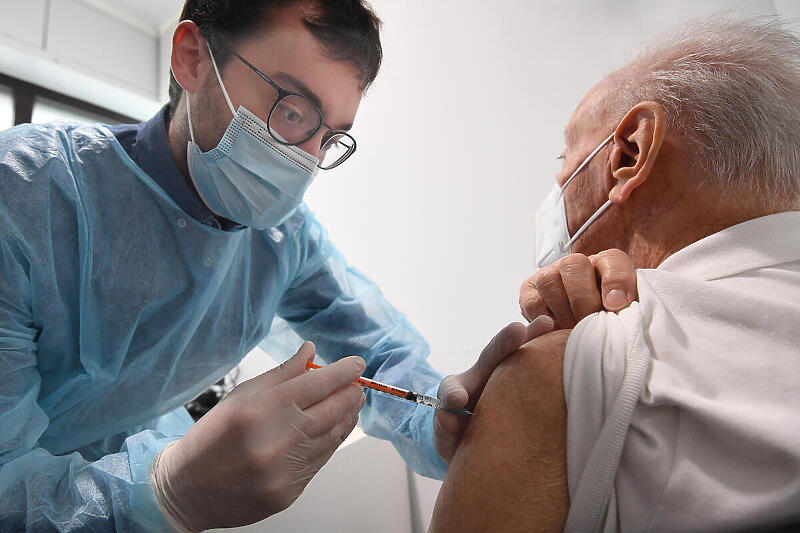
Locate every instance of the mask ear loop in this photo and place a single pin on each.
(602, 208)
(219, 79)
(224, 92)
(188, 107)
(586, 161)
(189, 117)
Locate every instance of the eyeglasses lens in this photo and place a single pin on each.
(294, 119)
(335, 150)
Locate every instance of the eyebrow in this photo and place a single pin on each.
(303, 89)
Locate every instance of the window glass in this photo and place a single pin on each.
(45, 110)
(6, 108)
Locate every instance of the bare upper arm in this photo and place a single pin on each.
(509, 474)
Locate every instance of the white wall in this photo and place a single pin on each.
(457, 145)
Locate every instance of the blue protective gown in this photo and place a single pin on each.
(117, 307)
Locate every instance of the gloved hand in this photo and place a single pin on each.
(568, 289)
(252, 455)
(463, 390)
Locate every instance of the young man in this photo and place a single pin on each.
(140, 263)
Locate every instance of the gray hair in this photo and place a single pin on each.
(731, 87)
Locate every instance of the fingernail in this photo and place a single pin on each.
(361, 365)
(616, 299)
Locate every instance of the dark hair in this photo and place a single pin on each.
(349, 30)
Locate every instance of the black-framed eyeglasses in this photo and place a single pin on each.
(294, 119)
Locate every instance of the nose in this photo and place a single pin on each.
(313, 145)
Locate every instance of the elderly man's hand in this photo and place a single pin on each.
(576, 286)
(463, 390)
(566, 291)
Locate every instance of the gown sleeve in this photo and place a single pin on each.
(344, 313)
(40, 491)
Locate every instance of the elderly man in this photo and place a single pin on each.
(681, 412)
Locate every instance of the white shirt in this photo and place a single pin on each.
(684, 409)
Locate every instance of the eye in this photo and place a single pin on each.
(292, 116)
(289, 114)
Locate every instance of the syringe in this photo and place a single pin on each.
(404, 394)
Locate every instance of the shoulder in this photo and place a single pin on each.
(28, 148)
(540, 359)
(39, 167)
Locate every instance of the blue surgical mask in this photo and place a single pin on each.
(552, 233)
(249, 177)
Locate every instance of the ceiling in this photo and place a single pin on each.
(148, 16)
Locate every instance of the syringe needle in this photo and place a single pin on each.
(404, 394)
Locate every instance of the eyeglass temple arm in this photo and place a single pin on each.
(261, 75)
(281, 91)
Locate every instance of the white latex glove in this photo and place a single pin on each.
(463, 390)
(252, 455)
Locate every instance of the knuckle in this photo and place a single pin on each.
(547, 277)
(447, 384)
(262, 459)
(536, 307)
(528, 285)
(530, 303)
(614, 258)
(303, 425)
(275, 490)
(240, 420)
(574, 263)
(527, 292)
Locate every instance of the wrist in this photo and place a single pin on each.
(164, 492)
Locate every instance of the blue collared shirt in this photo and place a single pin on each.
(147, 145)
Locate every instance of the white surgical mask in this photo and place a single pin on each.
(552, 234)
(249, 177)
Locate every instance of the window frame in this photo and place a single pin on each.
(24, 95)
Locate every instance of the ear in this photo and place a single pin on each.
(635, 148)
(188, 54)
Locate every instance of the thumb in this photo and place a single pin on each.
(541, 324)
(617, 278)
(453, 393)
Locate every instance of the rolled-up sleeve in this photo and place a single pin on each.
(604, 374)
